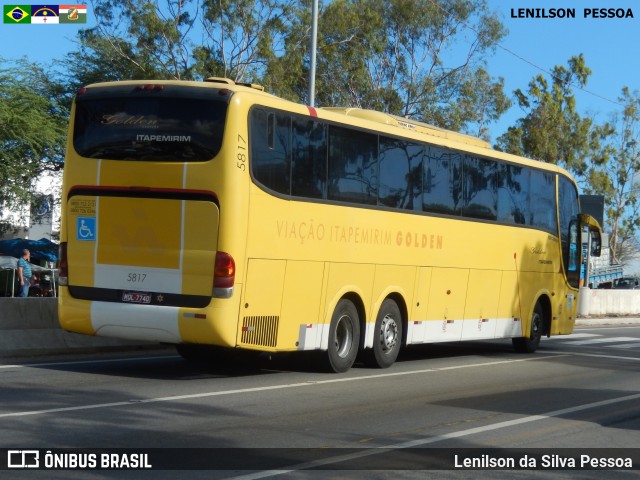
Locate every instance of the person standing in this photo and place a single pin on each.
(24, 273)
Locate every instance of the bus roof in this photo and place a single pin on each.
(414, 125)
(410, 128)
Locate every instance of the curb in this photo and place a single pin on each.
(609, 321)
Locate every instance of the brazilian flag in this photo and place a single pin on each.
(16, 14)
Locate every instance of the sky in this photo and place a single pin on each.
(536, 45)
(533, 46)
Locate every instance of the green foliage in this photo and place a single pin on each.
(552, 130)
(134, 40)
(413, 58)
(179, 39)
(32, 130)
(242, 36)
(481, 102)
(614, 173)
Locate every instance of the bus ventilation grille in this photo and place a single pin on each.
(260, 331)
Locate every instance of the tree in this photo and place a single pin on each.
(134, 40)
(416, 58)
(552, 130)
(242, 36)
(32, 132)
(179, 39)
(420, 59)
(614, 173)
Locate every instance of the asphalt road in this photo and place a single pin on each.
(580, 393)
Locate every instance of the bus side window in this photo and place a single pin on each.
(573, 246)
(400, 174)
(442, 181)
(271, 149)
(513, 194)
(542, 213)
(271, 131)
(569, 230)
(309, 163)
(480, 188)
(353, 166)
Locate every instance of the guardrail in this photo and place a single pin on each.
(607, 274)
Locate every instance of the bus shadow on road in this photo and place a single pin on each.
(455, 349)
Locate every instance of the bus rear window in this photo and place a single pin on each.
(148, 128)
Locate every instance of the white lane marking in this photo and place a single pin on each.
(309, 383)
(595, 355)
(438, 438)
(594, 341)
(626, 345)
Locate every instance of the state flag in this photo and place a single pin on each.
(16, 14)
(44, 14)
(73, 13)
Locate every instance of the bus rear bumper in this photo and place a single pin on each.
(214, 325)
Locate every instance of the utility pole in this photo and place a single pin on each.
(314, 45)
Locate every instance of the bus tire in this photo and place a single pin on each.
(387, 336)
(530, 344)
(344, 337)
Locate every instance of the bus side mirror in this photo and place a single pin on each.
(595, 232)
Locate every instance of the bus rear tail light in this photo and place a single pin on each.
(224, 275)
(63, 265)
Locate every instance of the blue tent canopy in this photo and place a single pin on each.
(43, 249)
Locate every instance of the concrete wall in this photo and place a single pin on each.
(596, 302)
(29, 326)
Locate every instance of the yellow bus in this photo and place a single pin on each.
(212, 213)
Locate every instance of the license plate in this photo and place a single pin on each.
(136, 297)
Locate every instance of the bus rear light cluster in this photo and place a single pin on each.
(63, 265)
(224, 275)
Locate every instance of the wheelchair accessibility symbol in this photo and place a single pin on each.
(86, 229)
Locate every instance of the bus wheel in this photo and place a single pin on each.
(344, 337)
(529, 345)
(387, 337)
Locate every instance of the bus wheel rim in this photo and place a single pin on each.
(388, 333)
(536, 324)
(344, 336)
